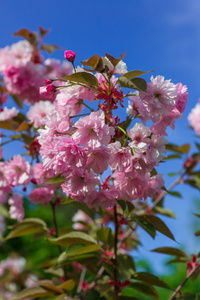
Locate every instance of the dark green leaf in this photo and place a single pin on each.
(122, 204)
(149, 228)
(77, 249)
(18, 101)
(150, 279)
(171, 251)
(172, 157)
(104, 235)
(127, 298)
(180, 149)
(145, 289)
(126, 265)
(157, 224)
(135, 83)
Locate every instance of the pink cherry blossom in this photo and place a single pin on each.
(69, 55)
(18, 171)
(92, 131)
(41, 195)
(38, 111)
(16, 207)
(8, 113)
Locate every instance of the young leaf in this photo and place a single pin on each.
(57, 179)
(126, 265)
(49, 286)
(150, 279)
(28, 35)
(43, 31)
(81, 249)
(135, 73)
(74, 237)
(18, 101)
(113, 60)
(49, 48)
(165, 212)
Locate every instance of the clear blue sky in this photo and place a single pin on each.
(160, 35)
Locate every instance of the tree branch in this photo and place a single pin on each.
(184, 282)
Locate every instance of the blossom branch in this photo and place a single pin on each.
(115, 254)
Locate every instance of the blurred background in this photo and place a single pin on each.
(160, 35)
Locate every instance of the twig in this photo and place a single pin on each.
(184, 282)
(53, 206)
(81, 280)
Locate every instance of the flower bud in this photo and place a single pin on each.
(69, 55)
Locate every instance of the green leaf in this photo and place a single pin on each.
(165, 212)
(126, 265)
(135, 73)
(104, 235)
(122, 204)
(18, 101)
(135, 83)
(4, 212)
(57, 179)
(113, 60)
(158, 225)
(175, 194)
(32, 292)
(74, 237)
(174, 156)
(82, 77)
(81, 249)
(149, 228)
(67, 285)
(180, 149)
(27, 226)
(146, 289)
(27, 139)
(49, 286)
(151, 279)
(171, 251)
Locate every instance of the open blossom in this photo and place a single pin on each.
(16, 207)
(120, 157)
(194, 118)
(38, 112)
(41, 195)
(160, 98)
(92, 131)
(8, 113)
(98, 158)
(18, 171)
(140, 136)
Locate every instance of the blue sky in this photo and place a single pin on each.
(160, 35)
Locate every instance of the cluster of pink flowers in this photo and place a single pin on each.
(83, 151)
(24, 71)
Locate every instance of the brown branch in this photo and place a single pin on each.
(177, 290)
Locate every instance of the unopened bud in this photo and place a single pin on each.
(70, 55)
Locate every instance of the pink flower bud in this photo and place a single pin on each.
(48, 81)
(69, 55)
